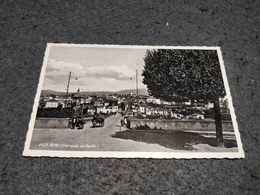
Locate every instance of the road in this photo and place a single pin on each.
(91, 139)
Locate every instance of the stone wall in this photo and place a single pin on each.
(174, 124)
(53, 122)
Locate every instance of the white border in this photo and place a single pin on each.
(112, 154)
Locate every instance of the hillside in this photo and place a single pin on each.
(50, 92)
(128, 91)
(122, 92)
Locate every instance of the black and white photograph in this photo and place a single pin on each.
(120, 101)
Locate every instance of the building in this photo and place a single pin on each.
(53, 104)
(153, 100)
(114, 109)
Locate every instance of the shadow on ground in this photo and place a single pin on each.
(177, 140)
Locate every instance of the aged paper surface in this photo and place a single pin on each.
(123, 101)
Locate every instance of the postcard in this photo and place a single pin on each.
(128, 101)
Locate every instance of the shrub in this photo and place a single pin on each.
(55, 112)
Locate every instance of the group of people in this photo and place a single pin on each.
(97, 120)
(76, 121)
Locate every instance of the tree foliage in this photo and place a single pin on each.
(177, 75)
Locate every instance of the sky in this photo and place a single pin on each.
(93, 69)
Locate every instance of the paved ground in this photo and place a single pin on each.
(90, 139)
(112, 137)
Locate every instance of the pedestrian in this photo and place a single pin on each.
(125, 120)
(122, 121)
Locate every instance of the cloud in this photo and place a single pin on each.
(122, 72)
(59, 70)
(103, 77)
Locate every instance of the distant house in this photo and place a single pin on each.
(149, 111)
(108, 109)
(111, 100)
(90, 109)
(209, 105)
(142, 108)
(166, 103)
(98, 104)
(99, 108)
(157, 101)
(167, 112)
(187, 103)
(160, 112)
(52, 103)
(88, 99)
(153, 100)
(114, 109)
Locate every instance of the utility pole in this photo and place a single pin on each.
(67, 92)
(137, 98)
(136, 83)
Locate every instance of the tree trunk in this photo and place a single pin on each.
(218, 123)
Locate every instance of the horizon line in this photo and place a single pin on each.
(94, 91)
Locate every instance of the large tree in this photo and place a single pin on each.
(180, 75)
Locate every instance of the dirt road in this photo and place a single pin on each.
(91, 139)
